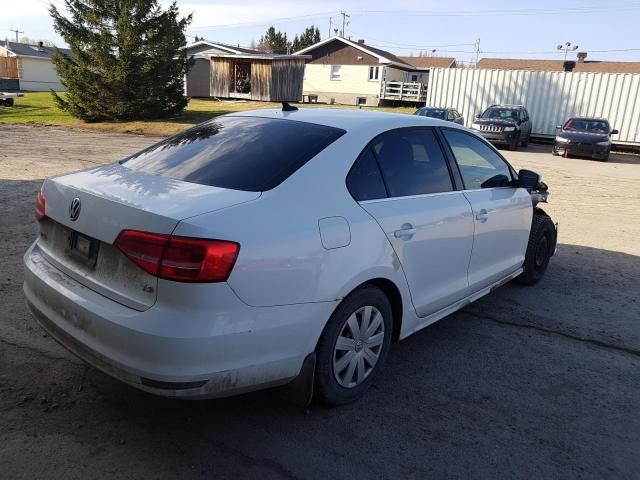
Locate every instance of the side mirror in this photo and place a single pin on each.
(558, 127)
(477, 115)
(614, 132)
(528, 179)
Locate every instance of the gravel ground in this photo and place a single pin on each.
(539, 382)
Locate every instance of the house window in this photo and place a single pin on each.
(414, 78)
(374, 73)
(335, 72)
(361, 101)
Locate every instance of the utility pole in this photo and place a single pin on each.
(477, 50)
(344, 19)
(17, 32)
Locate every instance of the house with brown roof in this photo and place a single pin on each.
(354, 73)
(579, 65)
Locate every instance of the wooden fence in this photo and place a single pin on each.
(8, 67)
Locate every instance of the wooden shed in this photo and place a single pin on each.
(226, 71)
(269, 78)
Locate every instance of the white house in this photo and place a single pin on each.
(36, 71)
(353, 73)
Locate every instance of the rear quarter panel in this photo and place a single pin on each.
(282, 260)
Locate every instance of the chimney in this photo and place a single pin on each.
(361, 41)
(569, 65)
(581, 56)
(40, 44)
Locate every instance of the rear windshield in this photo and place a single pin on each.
(240, 153)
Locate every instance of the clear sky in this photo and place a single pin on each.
(506, 28)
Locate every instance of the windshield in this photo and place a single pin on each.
(241, 153)
(501, 113)
(586, 125)
(440, 113)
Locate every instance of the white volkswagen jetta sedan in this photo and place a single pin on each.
(278, 247)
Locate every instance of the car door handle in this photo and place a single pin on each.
(406, 232)
(482, 216)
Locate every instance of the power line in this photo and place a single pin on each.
(263, 22)
(490, 13)
(17, 32)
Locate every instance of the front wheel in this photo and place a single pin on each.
(353, 346)
(542, 240)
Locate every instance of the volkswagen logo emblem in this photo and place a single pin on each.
(74, 209)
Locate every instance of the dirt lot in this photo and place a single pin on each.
(539, 382)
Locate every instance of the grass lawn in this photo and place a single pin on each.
(39, 108)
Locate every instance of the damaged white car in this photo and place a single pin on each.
(279, 247)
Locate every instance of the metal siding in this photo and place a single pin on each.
(550, 97)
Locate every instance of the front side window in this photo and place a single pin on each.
(241, 153)
(412, 162)
(374, 73)
(335, 72)
(480, 166)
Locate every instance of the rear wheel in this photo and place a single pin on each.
(353, 346)
(539, 250)
(525, 141)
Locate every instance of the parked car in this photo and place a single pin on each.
(508, 125)
(449, 114)
(7, 98)
(585, 137)
(275, 247)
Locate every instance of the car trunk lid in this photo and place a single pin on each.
(87, 210)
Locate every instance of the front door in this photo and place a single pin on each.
(501, 212)
(429, 225)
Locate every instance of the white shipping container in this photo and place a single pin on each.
(550, 97)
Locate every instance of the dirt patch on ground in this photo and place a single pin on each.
(539, 382)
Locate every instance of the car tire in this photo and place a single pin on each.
(525, 142)
(555, 153)
(540, 248)
(350, 357)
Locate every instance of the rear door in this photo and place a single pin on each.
(501, 212)
(428, 223)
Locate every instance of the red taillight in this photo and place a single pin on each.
(40, 202)
(181, 259)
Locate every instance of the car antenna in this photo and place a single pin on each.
(288, 108)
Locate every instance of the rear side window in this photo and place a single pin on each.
(412, 162)
(365, 180)
(240, 153)
(480, 166)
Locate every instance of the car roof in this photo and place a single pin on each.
(347, 119)
(505, 105)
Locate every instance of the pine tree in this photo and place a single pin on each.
(274, 41)
(310, 36)
(127, 60)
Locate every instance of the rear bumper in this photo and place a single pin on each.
(172, 351)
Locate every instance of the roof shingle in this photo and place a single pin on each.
(28, 50)
(429, 62)
(557, 65)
